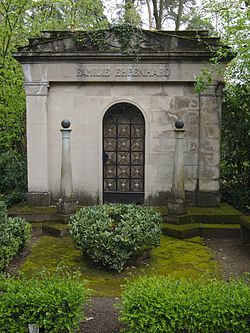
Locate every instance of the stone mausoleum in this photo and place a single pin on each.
(122, 107)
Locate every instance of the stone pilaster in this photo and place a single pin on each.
(209, 147)
(37, 150)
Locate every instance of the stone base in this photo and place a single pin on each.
(177, 207)
(66, 206)
(38, 198)
(208, 199)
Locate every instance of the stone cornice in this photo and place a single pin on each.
(37, 57)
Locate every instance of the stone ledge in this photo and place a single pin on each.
(38, 198)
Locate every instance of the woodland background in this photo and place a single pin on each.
(229, 19)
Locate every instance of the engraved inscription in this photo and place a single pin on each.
(161, 72)
(87, 71)
(123, 72)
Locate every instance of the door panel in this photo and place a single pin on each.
(123, 154)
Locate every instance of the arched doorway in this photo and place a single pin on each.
(123, 154)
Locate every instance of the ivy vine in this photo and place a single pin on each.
(127, 36)
(98, 39)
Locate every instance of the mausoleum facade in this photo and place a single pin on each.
(122, 108)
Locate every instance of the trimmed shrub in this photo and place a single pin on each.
(163, 304)
(111, 234)
(14, 236)
(54, 301)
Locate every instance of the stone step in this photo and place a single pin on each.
(38, 213)
(201, 229)
(225, 214)
(55, 229)
(245, 230)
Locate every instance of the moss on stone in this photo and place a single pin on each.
(196, 239)
(224, 209)
(161, 209)
(246, 219)
(220, 226)
(184, 227)
(58, 226)
(181, 227)
(35, 225)
(23, 208)
(175, 257)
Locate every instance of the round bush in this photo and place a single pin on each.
(111, 234)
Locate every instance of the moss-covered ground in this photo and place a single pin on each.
(223, 209)
(180, 258)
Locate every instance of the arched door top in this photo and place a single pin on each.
(123, 154)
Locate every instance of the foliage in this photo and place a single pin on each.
(168, 305)
(131, 15)
(54, 301)
(14, 236)
(13, 184)
(231, 24)
(12, 107)
(231, 20)
(20, 20)
(235, 165)
(111, 234)
(129, 39)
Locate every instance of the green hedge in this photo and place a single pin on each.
(111, 234)
(14, 236)
(54, 301)
(13, 181)
(163, 304)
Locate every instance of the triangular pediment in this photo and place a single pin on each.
(113, 40)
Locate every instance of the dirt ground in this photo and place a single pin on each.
(233, 257)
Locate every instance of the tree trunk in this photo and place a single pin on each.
(150, 24)
(179, 15)
(158, 13)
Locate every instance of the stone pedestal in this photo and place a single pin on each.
(66, 206)
(177, 206)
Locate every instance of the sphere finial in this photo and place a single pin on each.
(65, 123)
(179, 124)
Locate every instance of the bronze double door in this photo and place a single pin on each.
(123, 154)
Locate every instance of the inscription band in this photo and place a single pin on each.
(123, 72)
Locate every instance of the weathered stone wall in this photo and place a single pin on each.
(68, 76)
(161, 104)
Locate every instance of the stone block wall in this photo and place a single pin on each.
(85, 104)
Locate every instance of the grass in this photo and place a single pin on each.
(179, 258)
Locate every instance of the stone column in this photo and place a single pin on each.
(209, 147)
(177, 206)
(66, 187)
(37, 150)
(66, 204)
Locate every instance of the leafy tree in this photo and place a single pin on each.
(170, 12)
(231, 20)
(20, 20)
(131, 15)
(231, 24)
(235, 165)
